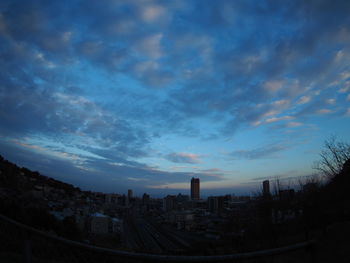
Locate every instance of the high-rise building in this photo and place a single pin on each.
(129, 194)
(266, 188)
(195, 188)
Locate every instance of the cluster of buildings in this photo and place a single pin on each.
(209, 217)
(191, 213)
(138, 221)
(104, 214)
(94, 213)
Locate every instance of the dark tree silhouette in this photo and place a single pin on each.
(333, 157)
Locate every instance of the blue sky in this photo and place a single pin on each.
(144, 94)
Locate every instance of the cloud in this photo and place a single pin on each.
(106, 175)
(66, 117)
(323, 111)
(85, 76)
(320, 105)
(275, 119)
(264, 152)
(273, 85)
(151, 46)
(177, 186)
(166, 52)
(331, 101)
(294, 124)
(223, 185)
(151, 13)
(290, 178)
(183, 157)
(213, 172)
(136, 179)
(287, 125)
(304, 99)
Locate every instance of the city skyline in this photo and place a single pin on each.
(119, 95)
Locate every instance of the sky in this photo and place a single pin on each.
(113, 95)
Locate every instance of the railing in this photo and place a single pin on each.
(21, 243)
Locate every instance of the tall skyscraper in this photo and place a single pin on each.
(194, 188)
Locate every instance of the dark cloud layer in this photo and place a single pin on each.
(266, 151)
(182, 158)
(108, 36)
(113, 176)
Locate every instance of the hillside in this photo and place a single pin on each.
(22, 198)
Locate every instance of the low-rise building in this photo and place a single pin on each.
(99, 223)
(102, 224)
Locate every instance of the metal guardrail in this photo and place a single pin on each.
(28, 234)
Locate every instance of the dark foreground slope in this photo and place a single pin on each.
(21, 199)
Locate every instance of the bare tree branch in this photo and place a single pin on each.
(333, 157)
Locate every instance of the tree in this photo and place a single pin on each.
(276, 186)
(333, 157)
